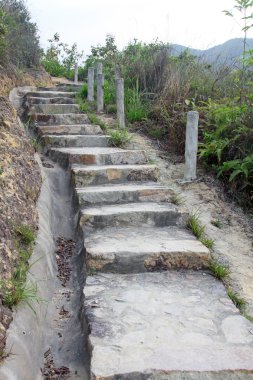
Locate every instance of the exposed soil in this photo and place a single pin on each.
(233, 242)
(10, 77)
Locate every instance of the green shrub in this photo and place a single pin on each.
(84, 91)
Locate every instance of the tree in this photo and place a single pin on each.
(245, 9)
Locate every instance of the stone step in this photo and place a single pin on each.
(59, 119)
(81, 129)
(134, 250)
(51, 94)
(98, 156)
(159, 326)
(66, 87)
(100, 175)
(132, 215)
(54, 109)
(75, 141)
(56, 100)
(123, 193)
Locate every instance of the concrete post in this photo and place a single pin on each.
(117, 72)
(99, 68)
(76, 74)
(90, 96)
(100, 93)
(120, 102)
(191, 146)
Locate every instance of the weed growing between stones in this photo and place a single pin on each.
(95, 120)
(218, 270)
(217, 223)
(239, 302)
(119, 137)
(177, 199)
(193, 224)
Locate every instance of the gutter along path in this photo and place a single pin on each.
(152, 308)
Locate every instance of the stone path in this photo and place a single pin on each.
(149, 314)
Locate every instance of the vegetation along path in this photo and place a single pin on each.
(152, 307)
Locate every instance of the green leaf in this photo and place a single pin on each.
(227, 13)
(234, 174)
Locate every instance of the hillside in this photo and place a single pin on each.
(228, 52)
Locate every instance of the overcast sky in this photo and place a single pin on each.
(194, 23)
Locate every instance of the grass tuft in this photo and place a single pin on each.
(25, 233)
(239, 302)
(95, 120)
(218, 270)
(217, 223)
(177, 199)
(209, 243)
(119, 138)
(193, 223)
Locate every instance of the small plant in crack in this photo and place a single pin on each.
(239, 302)
(193, 224)
(219, 271)
(217, 223)
(177, 199)
(95, 120)
(119, 137)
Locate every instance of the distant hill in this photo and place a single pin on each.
(227, 53)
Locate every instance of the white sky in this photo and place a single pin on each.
(194, 23)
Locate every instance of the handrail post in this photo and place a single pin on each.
(90, 96)
(191, 146)
(120, 102)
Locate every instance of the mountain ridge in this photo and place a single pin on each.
(229, 52)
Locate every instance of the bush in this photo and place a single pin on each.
(84, 91)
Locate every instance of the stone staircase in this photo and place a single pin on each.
(152, 308)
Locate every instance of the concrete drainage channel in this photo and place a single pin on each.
(152, 309)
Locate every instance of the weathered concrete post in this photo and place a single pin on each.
(120, 102)
(90, 96)
(100, 93)
(191, 146)
(99, 68)
(76, 74)
(117, 72)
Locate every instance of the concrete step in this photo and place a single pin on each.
(59, 119)
(75, 141)
(159, 326)
(81, 129)
(132, 215)
(54, 109)
(98, 156)
(113, 174)
(123, 193)
(51, 94)
(56, 100)
(135, 250)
